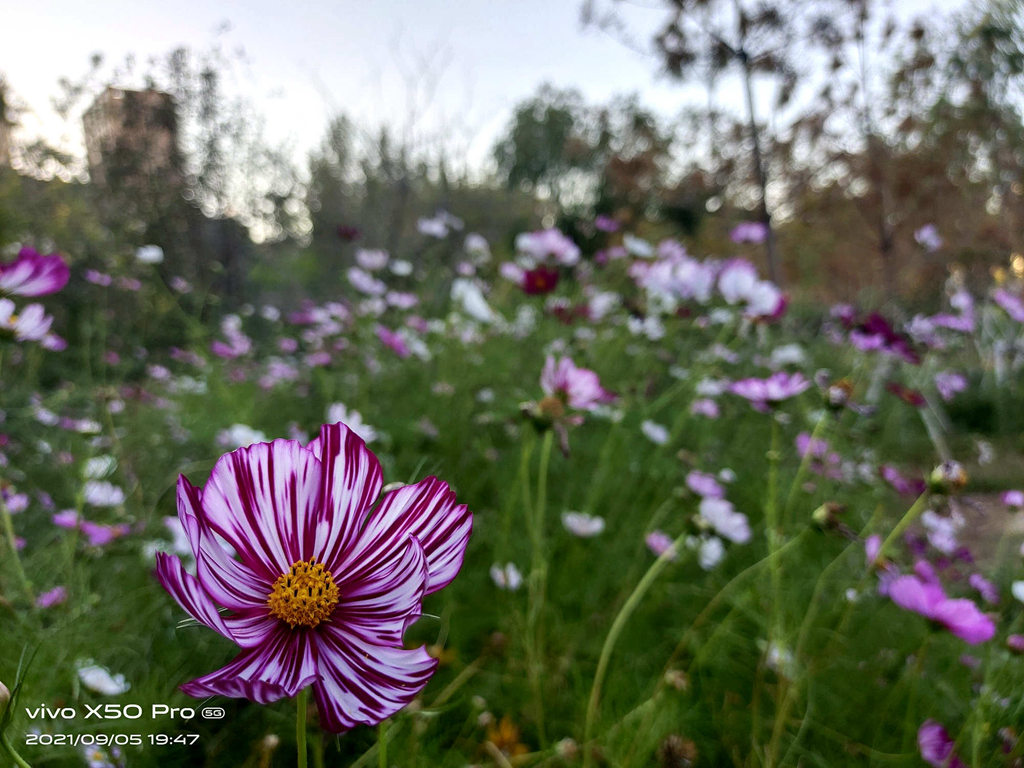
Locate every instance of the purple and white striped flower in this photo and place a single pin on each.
(32, 274)
(326, 580)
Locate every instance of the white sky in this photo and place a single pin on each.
(309, 59)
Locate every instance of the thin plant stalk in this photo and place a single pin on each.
(631, 604)
(5, 516)
(301, 700)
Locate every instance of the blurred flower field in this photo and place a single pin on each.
(708, 528)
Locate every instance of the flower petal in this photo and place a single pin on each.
(229, 582)
(378, 607)
(352, 480)
(364, 684)
(426, 511)
(186, 589)
(278, 668)
(263, 499)
(963, 619)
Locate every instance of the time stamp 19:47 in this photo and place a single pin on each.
(109, 739)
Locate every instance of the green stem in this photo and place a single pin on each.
(907, 520)
(15, 558)
(18, 760)
(771, 515)
(301, 701)
(631, 604)
(538, 582)
(805, 462)
(382, 748)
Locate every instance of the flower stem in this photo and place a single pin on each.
(7, 747)
(538, 583)
(911, 515)
(301, 701)
(631, 604)
(382, 748)
(15, 558)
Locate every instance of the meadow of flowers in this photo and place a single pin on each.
(569, 504)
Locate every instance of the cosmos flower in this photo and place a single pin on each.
(959, 616)
(749, 232)
(928, 237)
(1011, 302)
(659, 543)
(52, 597)
(583, 525)
(99, 679)
(655, 432)
(578, 388)
(506, 576)
(323, 588)
(30, 324)
(32, 274)
(548, 242)
(936, 746)
(763, 393)
(726, 521)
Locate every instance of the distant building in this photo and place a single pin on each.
(131, 139)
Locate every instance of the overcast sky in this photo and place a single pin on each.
(370, 59)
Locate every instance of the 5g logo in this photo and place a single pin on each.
(213, 713)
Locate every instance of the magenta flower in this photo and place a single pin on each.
(32, 274)
(393, 341)
(1013, 499)
(325, 582)
(937, 747)
(771, 391)
(959, 616)
(580, 388)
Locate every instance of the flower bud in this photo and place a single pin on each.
(826, 516)
(948, 478)
(5, 695)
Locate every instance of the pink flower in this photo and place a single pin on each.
(660, 542)
(771, 391)
(323, 588)
(579, 387)
(937, 747)
(704, 484)
(749, 232)
(548, 242)
(393, 341)
(903, 485)
(960, 616)
(33, 275)
(1012, 303)
(53, 597)
(704, 407)
(949, 383)
(1013, 499)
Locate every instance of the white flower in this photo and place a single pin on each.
(100, 493)
(711, 552)
(726, 521)
(638, 246)
(99, 467)
(1017, 589)
(581, 524)
(506, 576)
(654, 432)
(239, 436)
(149, 254)
(470, 298)
(99, 679)
(401, 268)
(353, 420)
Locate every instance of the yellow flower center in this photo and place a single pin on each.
(306, 595)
